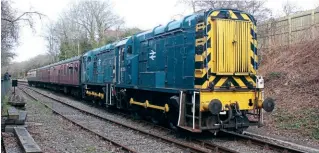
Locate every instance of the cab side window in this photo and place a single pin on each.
(129, 50)
(122, 54)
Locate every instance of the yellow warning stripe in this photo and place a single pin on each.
(200, 41)
(232, 14)
(200, 26)
(245, 16)
(200, 73)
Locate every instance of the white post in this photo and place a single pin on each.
(193, 110)
(180, 107)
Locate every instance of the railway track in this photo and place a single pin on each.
(124, 148)
(204, 148)
(211, 147)
(262, 143)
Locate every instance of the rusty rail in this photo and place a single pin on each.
(210, 146)
(263, 143)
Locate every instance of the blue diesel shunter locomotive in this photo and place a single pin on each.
(198, 73)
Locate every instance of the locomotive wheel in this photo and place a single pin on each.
(211, 120)
(94, 102)
(154, 120)
(173, 113)
(155, 117)
(173, 126)
(240, 131)
(136, 115)
(101, 103)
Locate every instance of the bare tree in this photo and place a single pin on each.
(317, 6)
(10, 25)
(19, 69)
(95, 17)
(254, 7)
(290, 8)
(82, 27)
(189, 3)
(52, 40)
(9, 32)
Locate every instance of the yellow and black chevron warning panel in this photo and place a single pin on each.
(229, 14)
(202, 57)
(233, 81)
(226, 53)
(254, 57)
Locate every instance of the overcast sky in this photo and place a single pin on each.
(144, 14)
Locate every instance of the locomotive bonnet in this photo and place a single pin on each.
(198, 73)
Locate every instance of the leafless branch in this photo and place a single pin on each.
(22, 15)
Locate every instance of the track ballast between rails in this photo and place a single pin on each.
(211, 147)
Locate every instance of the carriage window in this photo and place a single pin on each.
(71, 66)
(129, 49)
(76, 67)
(64, 69)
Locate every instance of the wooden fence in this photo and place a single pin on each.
(291, 29)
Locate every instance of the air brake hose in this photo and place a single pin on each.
(230, 114)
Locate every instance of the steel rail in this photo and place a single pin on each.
(212, 147)
(264, 144)
(81, 126)
(162, 138)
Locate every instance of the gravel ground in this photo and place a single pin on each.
(240, 146)
(54, 134)
(11, 143)
(122, 135)
(236, 145)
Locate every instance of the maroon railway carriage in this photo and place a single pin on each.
(64, 75)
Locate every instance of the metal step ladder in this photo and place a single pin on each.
(190, 115)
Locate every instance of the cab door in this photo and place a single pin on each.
(83, 70)
(121, 65)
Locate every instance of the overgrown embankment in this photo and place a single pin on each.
(291, 76)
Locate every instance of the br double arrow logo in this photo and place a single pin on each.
(152, 54)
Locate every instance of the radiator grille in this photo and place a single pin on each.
(232, 47)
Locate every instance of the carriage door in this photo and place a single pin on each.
(121, 66)
(71, 73)
(83, 71)
(95, 69)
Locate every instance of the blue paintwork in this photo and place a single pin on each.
(161, 59)
(97, 65)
